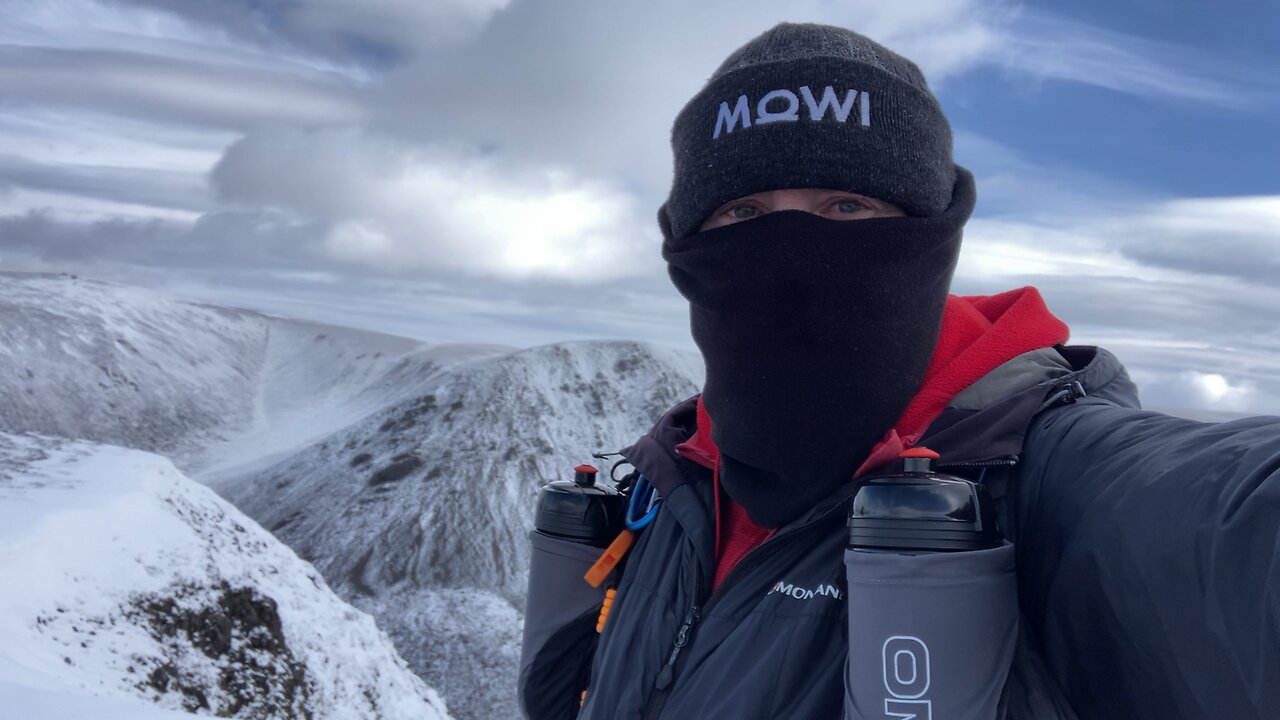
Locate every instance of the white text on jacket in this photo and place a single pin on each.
(799, 593)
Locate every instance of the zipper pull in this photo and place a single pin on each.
(682, 638)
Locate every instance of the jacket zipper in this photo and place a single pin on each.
(662, 686)
(998, 462)
(682, 638)
(666, 677)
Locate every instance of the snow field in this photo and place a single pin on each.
(127, 581)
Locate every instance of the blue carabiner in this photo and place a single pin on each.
(642, 494)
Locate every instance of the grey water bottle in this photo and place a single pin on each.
(573, 521)
(933, 610)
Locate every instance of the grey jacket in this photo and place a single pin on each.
(1148, 571)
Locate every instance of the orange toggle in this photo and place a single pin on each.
(605, 608)
(919, 451)
(609, 559)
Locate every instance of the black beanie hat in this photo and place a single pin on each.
(810, 106)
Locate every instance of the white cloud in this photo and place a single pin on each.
(88, 23)
(502, 161)
(943, 37)
(144, 187)
(398, 208)
(19, 201)
(1182, 290)
(1234, 237)
(1046, 46)
(147, 86)
(52, 135)
(401, 24)
(1203, 390)
(1208, 241)
(598, 88)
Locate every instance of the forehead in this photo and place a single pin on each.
(804, 193)
(813, 191)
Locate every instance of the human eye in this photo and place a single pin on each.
(736, 211)
(848, 206)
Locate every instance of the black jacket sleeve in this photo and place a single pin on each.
(1149, 561)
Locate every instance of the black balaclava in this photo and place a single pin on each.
(815, 333)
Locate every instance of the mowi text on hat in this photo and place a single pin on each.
(727, 119)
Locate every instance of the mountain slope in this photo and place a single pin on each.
(420, 513)
(126, 580)
(213, 388)
(122, 365)
(406, 472)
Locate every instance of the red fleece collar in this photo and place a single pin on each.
(977, 333)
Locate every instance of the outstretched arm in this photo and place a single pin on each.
(1149, 561)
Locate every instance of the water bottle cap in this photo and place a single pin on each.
(918, 459)
(585, 475)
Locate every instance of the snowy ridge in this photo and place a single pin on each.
(121, 365)
(210, 387)
(406, 472)
(140, 585)
(420, 514)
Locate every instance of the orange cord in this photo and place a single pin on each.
(607, 561)
(604, 609)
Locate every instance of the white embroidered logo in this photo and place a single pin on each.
(786, 106)
(799, 593)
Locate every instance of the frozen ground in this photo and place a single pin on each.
(130, 590)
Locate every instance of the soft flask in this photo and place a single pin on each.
(933, 607)
(574, 520)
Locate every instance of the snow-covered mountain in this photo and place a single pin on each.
(420, 513)
(209, 386)
(406, 472)
(128, 586)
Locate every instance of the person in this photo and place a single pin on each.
(814, 224)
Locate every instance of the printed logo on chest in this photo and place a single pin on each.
(800, 592)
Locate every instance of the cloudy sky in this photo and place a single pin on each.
(489, 170)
